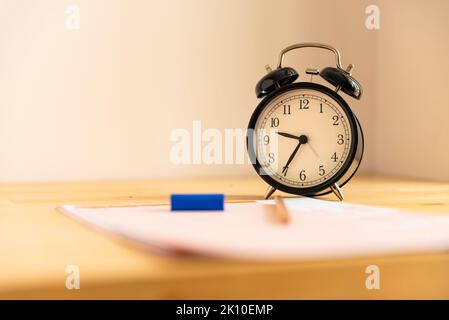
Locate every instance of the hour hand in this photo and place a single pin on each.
(288, 135)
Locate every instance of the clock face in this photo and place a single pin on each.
(303, 138)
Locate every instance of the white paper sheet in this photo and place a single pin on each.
(249, 231)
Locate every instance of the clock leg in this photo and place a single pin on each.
(269, 192)
(337, 191)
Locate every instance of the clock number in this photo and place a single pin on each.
(271, 157)
(335, 118)
(321, 108)
(334, 157)
(302, 175)
(321, 171)
(266, 139)
(274, 122)
(340, 139)
(287, 109)
(304, 104)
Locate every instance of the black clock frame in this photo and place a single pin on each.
(321, 188)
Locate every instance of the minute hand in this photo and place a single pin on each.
(301, 140)
(285, 168)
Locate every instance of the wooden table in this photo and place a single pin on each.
(37, 243)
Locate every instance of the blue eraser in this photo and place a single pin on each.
(197, 202)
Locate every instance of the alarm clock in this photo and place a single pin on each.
(303, 137)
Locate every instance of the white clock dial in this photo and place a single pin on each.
(303, 138)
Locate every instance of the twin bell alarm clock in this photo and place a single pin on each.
(303, 137)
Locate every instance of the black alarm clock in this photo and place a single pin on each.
(303, 138)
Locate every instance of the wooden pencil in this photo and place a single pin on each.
(281, 210)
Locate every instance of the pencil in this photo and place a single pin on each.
(281, 210)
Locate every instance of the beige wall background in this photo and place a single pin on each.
(100, 102)
(412, 109)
